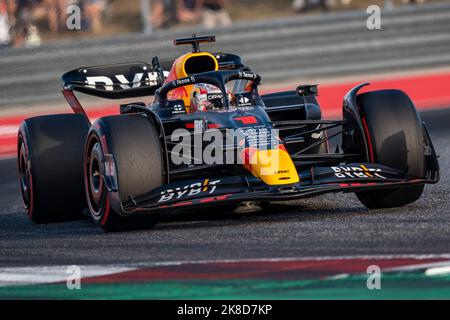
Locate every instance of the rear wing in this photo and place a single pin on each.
(117, 81)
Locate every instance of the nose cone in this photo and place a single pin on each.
(274, 167)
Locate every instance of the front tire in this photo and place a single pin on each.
(134, 143)
(393, 130)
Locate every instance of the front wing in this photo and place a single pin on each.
(352, 177)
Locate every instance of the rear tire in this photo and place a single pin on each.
(395, 139)
(134, 143)
(50, 166)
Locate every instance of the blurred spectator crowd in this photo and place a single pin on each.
(22, 22)
(304, 5)
(18, 17)
(210, 13)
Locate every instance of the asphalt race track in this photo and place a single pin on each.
(330, 225)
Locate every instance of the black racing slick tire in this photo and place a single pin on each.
(134, 144)
(50, 166)
(393, 131)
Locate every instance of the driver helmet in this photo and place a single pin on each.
(205, 97)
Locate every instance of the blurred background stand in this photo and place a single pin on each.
(145, 16)
(389, 5)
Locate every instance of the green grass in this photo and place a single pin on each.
(393, 286)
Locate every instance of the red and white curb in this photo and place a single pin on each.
(307, 267)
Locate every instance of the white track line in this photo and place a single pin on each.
(52, 274)
(424, 266)
(439, 271)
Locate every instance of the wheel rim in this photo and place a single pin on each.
(96, 190)
(24, 174)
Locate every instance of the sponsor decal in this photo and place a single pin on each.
(177, 106)
(213, 96)
(180, 82)
(139, 79)
(244, 100)
(199, 125)
(234, 109)
(247, 75)
(361, 172)
(260, 138)
(204, 187)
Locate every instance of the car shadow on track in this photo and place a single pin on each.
(271, 213)
(329, 208)
(16, 225)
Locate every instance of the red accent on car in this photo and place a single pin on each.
(246, 155)
(31, 200)
(224, 197)
(107, 210)
(210, 126)
(214, 198)
(182, 204)
(74, 102)
(217, 198)
(30, 182)
(369, 139)
(247, 120)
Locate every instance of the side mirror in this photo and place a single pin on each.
(307, 90)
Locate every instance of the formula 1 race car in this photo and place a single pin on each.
(210, 139)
